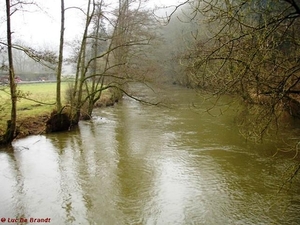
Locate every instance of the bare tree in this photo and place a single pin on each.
(60, 58)
(81, 70)
(97, 45)
(11, 124)
(106, 61)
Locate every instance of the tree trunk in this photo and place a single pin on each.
(60, 58)
(11, 124)
(76, 102)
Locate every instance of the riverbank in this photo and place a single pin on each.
(35, 106)
(35, 125)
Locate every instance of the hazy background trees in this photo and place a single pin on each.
(246, 48)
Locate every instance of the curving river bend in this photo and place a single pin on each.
(141, 164)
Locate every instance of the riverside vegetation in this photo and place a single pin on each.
(35, 104)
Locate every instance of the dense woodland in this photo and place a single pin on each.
(245, 48)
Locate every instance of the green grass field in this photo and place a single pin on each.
(42, 101)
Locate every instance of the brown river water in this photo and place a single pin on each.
(141, 164)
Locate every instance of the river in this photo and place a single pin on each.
(140, 164)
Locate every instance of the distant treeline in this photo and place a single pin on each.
(30, 76)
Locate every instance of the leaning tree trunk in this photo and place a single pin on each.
(81, 69)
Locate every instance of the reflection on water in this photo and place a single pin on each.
(139, 164)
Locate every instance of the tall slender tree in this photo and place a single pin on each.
(81, 70)
(60, 58)
(11, 124)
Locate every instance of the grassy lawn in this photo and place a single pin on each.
(43, 100)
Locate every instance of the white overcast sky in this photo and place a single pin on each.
(40, 28)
